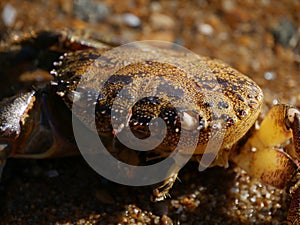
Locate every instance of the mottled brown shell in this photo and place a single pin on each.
(221, 100)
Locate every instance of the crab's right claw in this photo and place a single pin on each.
(13, 111)
(293, 121)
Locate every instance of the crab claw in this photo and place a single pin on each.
(260, 157)
(13, 110)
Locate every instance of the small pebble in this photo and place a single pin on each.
(90, 11)
(165, 220)
(9, 14)
(161, 21)
(228, 5)
(52, 173)
(285, 33)
(206, 29)
(131, 20)
(275, 102)
(155, 6)
(269, 75)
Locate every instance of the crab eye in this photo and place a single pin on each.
(291, 114)
(189, 122)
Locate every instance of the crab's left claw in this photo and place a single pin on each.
(293, 121)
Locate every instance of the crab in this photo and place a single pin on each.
(31, 127)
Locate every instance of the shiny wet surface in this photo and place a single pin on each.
(67, 191)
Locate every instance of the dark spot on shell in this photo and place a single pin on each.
(84, 58)
(202, 123)
(230, 121)
(101, 97)
(224, 116)
(209, 104)
(170, 90)
(216, 126)
(102, 110)
(214, 116)
(169, 114)
(140, 120)
(234, 87)
(153, 100)
(146, 109)
(239, 97)
(223, 105)
(253, 104)
(223, 82)
(242, 113)
(119, 79)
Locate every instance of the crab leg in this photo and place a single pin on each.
(294, 211)
(62, 40)
(262, 158)
(294, 123)
(2, 162)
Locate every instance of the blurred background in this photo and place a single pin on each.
(259, 38)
